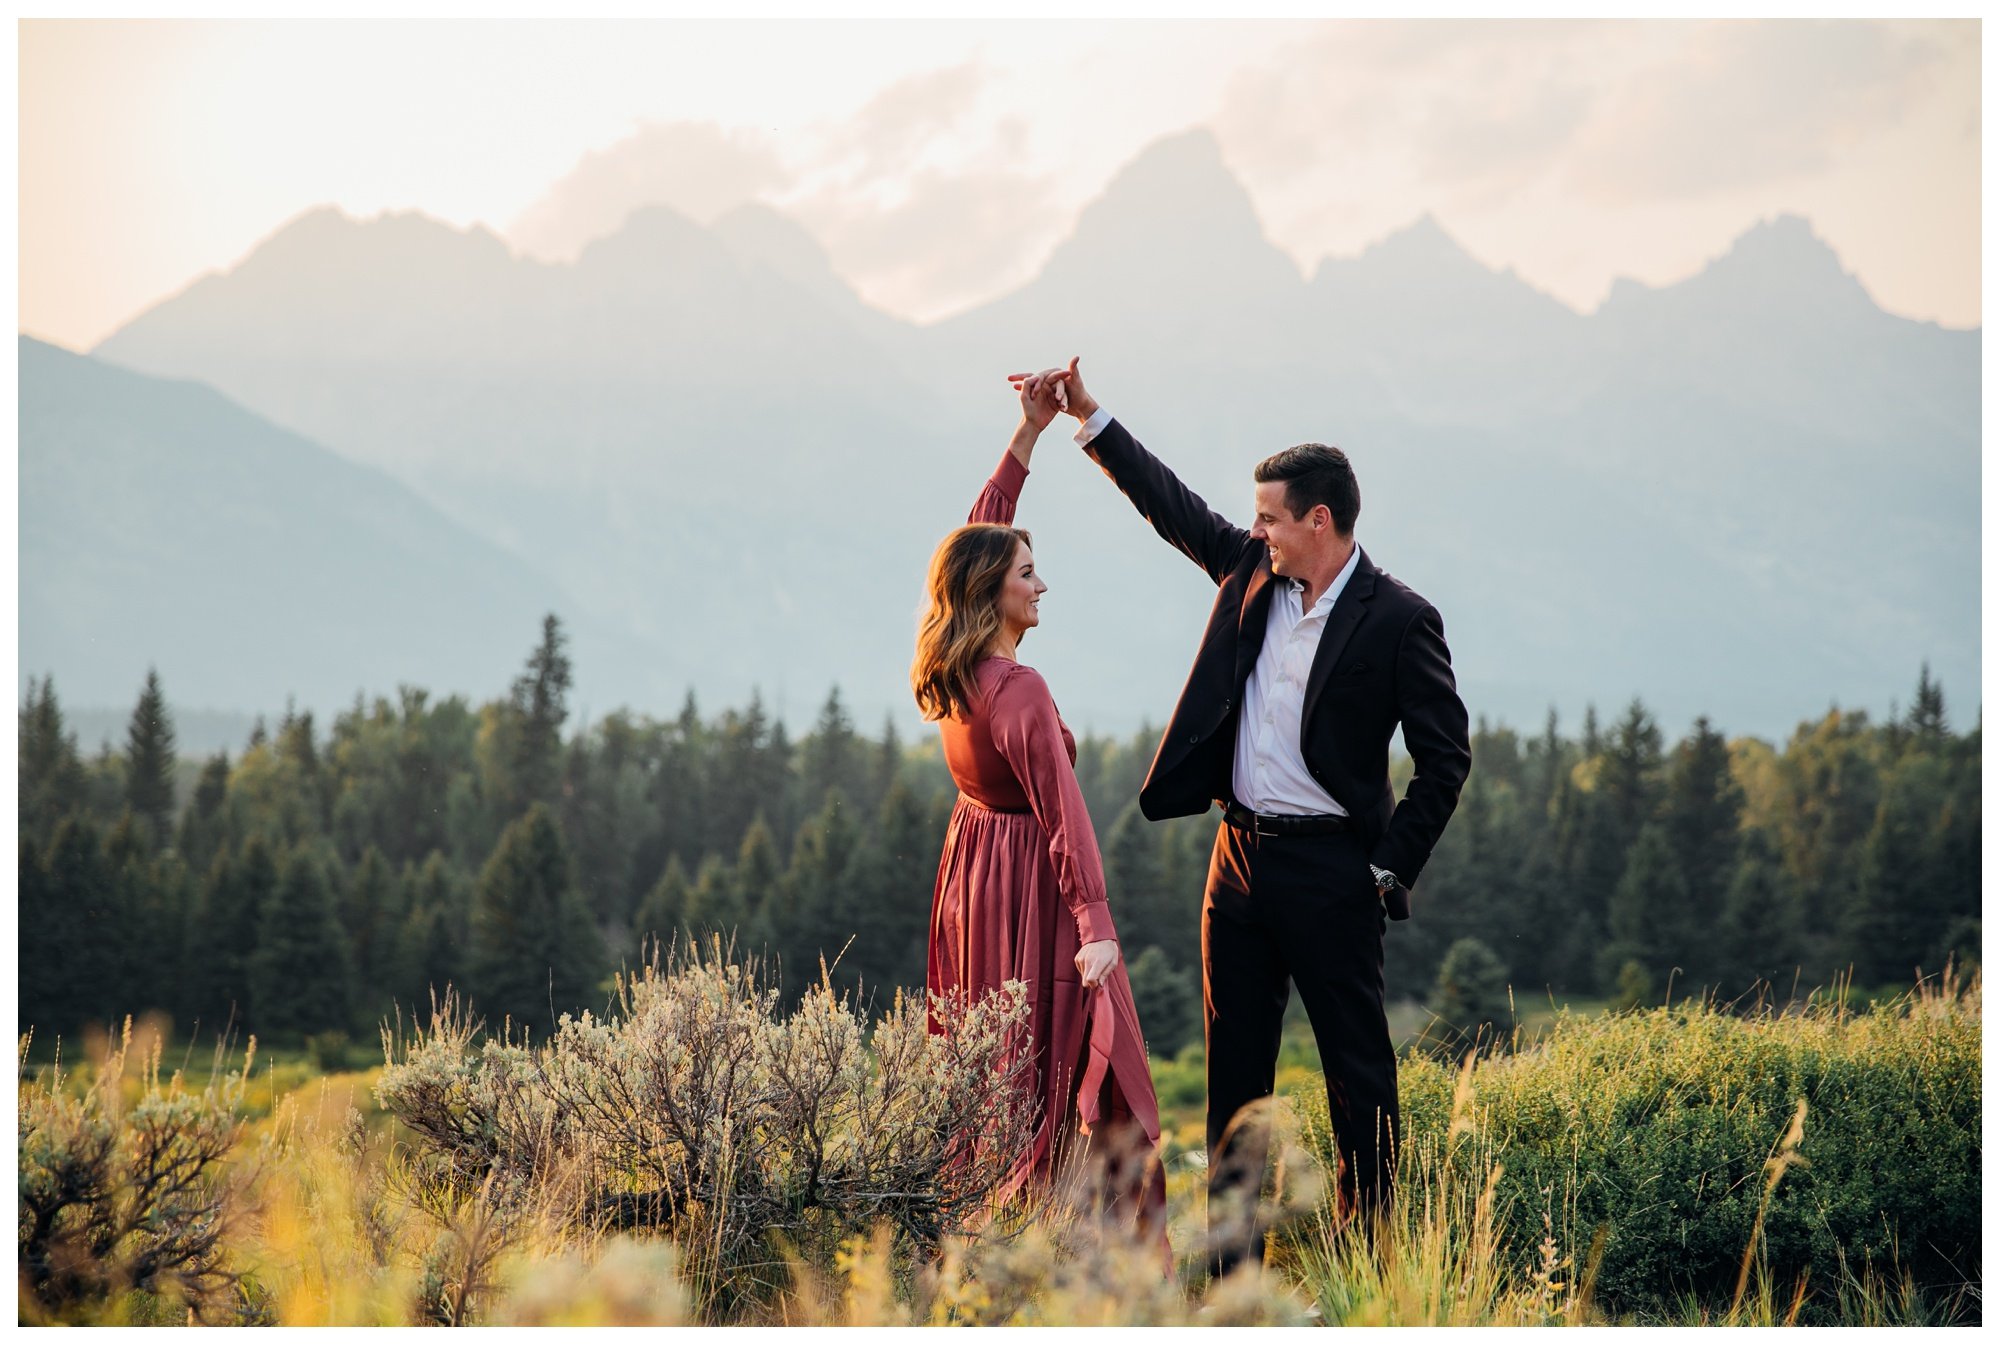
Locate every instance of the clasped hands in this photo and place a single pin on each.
(1051, 391)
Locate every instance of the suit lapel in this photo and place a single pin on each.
(1251, 620)
(1348, 610)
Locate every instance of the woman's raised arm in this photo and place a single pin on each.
(1040, 401)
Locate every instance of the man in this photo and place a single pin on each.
(1311, 658)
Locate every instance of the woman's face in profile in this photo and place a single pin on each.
(1021, 591)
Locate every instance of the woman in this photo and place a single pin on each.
(1020, 889)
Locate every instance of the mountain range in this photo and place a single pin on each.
(1749, 494)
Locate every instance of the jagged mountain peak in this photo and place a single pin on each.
(1777, 265)
(1175, 206)
(1421, 248)
(770, 238)
(1423, 236)
(330, 230)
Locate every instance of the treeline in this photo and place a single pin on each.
(1617, 863)
(317, 880)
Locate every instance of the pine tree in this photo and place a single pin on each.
(430, 950)
(52, 779)
(888, 762)
(1927, 720)
(372, 912)
(203, 826)
(143, 935)
(1647, 916)
(1630, 774)
(44, 991)
(715, 909)
(300, 975)
(175, 895)
(1168, 999)
(822, 916)
(1135, 884)
(1702, 811)
(1893, 916)
(298, 743)
(1758, 936)
(540, 701)
(737, 787)
(776, 788)
(828, 759)
(70, 952)
(149, 761)
(681, 790)
(223, 936)
(1551, 763)
(663, 912)
(534, 954)
(1470, 996)
(758, 901)
(437, 884)
(891, 877)
(426, 959)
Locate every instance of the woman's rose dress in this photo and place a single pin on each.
(1020, 888)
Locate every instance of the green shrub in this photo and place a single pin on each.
(1655, 1128)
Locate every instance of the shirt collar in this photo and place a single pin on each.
(1332, 594)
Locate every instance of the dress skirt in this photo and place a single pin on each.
(998, 914)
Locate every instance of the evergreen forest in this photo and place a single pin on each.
(323, 877)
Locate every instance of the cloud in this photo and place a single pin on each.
(952, 239)
(698, 168)
(906, 119)
(920, 199)
(1742, 104)
(1453, 102)
(923, 201)
(1466, 111)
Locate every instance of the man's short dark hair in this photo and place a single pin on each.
(1316, 474)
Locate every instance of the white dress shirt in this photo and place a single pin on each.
(1270, 774)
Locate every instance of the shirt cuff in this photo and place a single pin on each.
(1093, 922)
(1093, 427)
(1010, 476)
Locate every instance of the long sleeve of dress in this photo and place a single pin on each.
(1027, 733)
(996, 502)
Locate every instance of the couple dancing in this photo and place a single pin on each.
(1311, 658)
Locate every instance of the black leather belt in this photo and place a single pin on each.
(1282, 824)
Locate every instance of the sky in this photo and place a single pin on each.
(940, 162)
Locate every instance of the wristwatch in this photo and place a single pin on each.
(1384, 880)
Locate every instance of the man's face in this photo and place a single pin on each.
(1292, 541)
(1022, 592)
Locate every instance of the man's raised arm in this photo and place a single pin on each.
(1179, 515)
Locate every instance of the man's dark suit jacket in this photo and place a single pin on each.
(1381, 660)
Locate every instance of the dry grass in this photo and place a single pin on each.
(329, 1215)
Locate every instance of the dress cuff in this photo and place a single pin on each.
(1010, 476)
(1093, 922)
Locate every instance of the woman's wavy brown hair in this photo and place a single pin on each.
(962, 616)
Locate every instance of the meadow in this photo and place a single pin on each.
(707, 1154)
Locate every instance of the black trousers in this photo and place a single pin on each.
(1278, 911)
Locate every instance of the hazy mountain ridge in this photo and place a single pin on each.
(1599, 504)
(163, 525)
